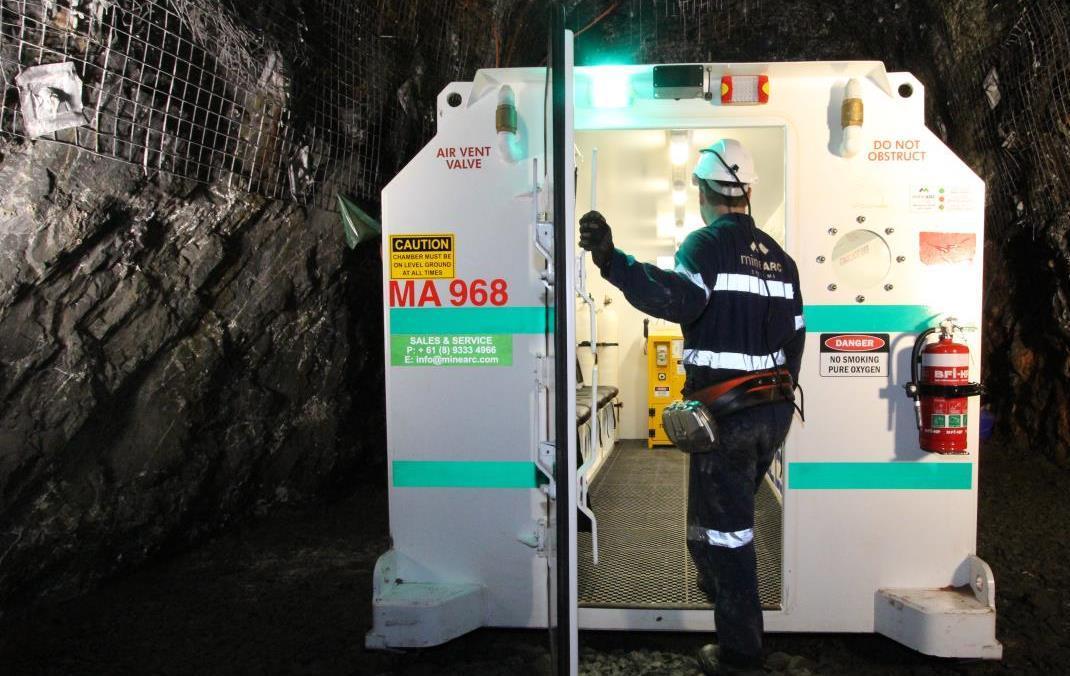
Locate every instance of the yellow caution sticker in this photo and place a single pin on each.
(423, 256)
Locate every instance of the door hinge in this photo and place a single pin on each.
(546, 461)
(536, 537)
(544, 376)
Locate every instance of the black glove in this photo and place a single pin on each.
(596, 237)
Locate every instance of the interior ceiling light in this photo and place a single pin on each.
(679, 147)
(678, 152)
(679, 191)
(666, 229)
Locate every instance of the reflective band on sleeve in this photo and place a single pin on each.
(800, 323)
(693, 277)
(732, 360)
(752, 284)
(717, 538)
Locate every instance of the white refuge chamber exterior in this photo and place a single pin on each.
(878, 535)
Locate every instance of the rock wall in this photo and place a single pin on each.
(175, 356)
(1021, 140)
(172, 357)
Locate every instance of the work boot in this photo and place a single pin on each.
(709, 660)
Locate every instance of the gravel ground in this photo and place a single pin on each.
(290, 593)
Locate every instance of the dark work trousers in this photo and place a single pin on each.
(720, 517)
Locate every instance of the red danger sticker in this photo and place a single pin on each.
(855, 342)
(854, 355)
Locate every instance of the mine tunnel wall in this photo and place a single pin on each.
(177, 354)
(175, 357)
(180, 347)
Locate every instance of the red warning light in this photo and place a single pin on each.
(744, 89)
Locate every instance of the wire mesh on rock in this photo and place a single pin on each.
(285, 98)
(1028, 97)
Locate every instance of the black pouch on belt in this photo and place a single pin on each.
(691, 424)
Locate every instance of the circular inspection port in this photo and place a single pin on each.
(906, 90)
(861, 259)
(454, 99)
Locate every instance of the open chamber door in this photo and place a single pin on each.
(561, 306)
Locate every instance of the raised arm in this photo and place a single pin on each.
(677, 296)
(793, 350)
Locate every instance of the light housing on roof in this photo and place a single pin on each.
(680, 81)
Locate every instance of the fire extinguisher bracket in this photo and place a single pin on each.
(947, 391)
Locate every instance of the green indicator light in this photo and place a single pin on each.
(610, 87)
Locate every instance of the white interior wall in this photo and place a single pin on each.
(634, 193)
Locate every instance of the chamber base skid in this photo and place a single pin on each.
(419, 614)
(947, 622)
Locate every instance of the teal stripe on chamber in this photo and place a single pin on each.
(858, 318)
(950, 476)
(468, 320)
(464, 474)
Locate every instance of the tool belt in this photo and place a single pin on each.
(753, 389)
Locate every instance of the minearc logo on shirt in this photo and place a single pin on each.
(759, 264)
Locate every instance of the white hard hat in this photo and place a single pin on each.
(711, 167)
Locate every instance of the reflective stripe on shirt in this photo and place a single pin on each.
(752, 284)
(693, 277)
(732, 360)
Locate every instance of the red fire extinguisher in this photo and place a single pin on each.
(940, 389)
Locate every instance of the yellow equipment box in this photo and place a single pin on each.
(665, 379)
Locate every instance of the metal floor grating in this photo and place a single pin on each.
(640, 500)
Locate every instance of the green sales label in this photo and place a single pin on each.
(954, 421)
(939, 421)
(451, 350)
